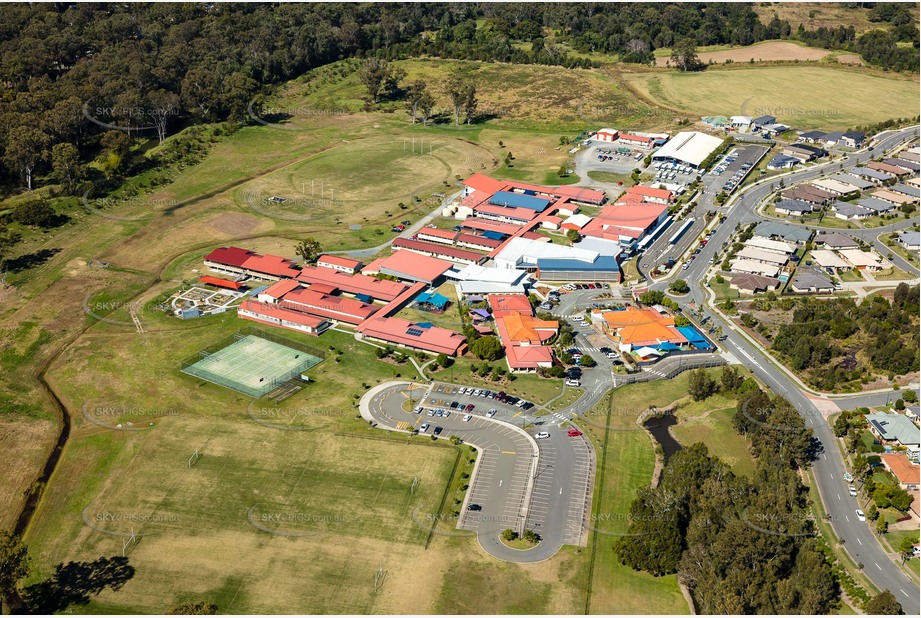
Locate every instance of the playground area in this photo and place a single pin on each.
(198, 301)
(252, 363)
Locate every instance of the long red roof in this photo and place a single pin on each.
(437, 249)
(353, 284)
(346, 310)
(403, 332)
(230, 256)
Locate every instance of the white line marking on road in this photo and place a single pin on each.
(859, 541)
(878, 567)
(500, 482)
(561, 491)
(839, 496)
(847, 519)
(903, 592)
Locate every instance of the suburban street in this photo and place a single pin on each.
(861, 542)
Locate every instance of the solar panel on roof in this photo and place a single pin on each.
(415, 332)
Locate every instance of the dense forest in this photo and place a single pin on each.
(76, 74)
(741, 545)
(832, 341)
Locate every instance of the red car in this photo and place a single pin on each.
(573, 433)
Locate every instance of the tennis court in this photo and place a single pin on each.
(252, 365)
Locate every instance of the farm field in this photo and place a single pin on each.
(815, 15)
(760, 52)
(794, 94)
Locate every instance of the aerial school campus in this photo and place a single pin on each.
(357, 362)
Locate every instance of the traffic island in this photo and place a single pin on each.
(511, 539)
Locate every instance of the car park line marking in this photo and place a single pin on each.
(509, 452)
(859, 541)
(878, 567)
(847, 519)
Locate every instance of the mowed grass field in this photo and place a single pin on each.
(626, 460)
(715, 430)
(299, 519)
(801, 96)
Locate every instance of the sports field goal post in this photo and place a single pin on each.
(193, 459)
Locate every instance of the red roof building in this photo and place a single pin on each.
(505, 304)
(271, 267)
(352, 284)
(435, 250)
(407, 334)
(221, 283)
(339, 308)
(651, 194)
(274, 315)
(339, 262)
(413, 266)
(437, 235)
(526, 359)
(625, 220)
(485, 225)
(477, 242)
(636, 140)
(228, 259)
(482, 182)
(275, 292)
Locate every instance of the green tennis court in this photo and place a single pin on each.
(252, 365)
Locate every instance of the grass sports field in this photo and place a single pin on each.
(796, 95)
(252, 365)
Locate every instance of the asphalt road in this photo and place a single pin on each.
(860, 541)
(519, 482)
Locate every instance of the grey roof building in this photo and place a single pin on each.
(877, 205)
(810, 281)
(866, 172)
(906, 190)
(854, 180)
(909, 165)
(834, 240)
(910, 240)
(851, 211)
(893, 428)
(793, 207)
(790, 233)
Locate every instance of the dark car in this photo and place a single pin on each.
(469, 407)
(474, 507)
(512, 400)
(528, 405)
(437, 431)
(454, 405)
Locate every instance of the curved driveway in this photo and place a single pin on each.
(518, 482)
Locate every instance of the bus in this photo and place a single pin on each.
(681, 230)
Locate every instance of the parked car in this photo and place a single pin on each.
(491, 413)
(467, 417)
(474, 507)
(573, 433)
(542, 434)
(417, 410)
(437, 431)
(423, 428)
(852, 490)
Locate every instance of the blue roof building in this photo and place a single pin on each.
(518, 200)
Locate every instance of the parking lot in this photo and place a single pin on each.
(610, 157)
(672, 173)
(729, 171)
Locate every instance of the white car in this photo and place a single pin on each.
(467, 417)
(860, 515)
(476, 393)
(542, 435)
(491, 413)
(418, 410)
(423, 428)
(852, 490)
(573, 383)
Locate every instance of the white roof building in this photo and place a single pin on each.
(754, 268)
(760, 255)
(824, 258)
(578, 221)
(690, 147)
(524, 253)
(476, 279)
(774, 246)
(864, 259)
(835, 186)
